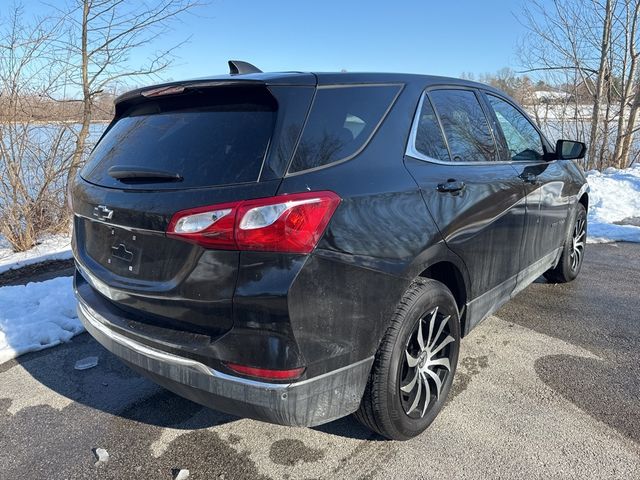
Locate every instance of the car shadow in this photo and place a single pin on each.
(349, 427)
(602, 389)
(112, 387)
(597, 312)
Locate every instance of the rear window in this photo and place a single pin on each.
(214, 137)
(341, 122)
(429, 140)
(465, 125)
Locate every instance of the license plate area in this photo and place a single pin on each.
(143, 255)
(124, 252)
(117, 249)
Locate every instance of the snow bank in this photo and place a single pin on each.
(51, 248)
(614, 197)
(37, 316)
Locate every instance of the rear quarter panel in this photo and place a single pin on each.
(343, 298)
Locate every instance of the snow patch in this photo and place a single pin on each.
(55, 247)
(182, 474)
(102, 456)
(614, 197)
(37, 316)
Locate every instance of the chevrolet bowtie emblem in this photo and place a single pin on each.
(101, 212)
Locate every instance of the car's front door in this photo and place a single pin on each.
(476, 201)
(544, 182)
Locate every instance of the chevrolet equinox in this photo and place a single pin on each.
(296, 247)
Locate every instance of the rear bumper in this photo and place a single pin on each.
(311, 402)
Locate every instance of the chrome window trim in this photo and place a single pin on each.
(412, 152)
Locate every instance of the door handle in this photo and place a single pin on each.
(451, 186)
(529, 178)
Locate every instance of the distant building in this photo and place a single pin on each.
(551, 96)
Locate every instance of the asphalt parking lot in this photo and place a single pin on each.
(549, 387)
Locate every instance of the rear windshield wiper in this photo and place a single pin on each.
(128, 172)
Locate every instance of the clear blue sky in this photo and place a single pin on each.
(422, 36)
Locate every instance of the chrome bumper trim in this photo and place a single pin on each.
(94, 319)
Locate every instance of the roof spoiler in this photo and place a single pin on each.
(238, 67)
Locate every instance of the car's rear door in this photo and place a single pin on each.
(476, 200)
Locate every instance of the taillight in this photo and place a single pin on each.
(211, 227)
(285, 223)
(266, 373)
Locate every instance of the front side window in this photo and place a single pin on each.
(522, 138)
(465, 125)
(341, 121)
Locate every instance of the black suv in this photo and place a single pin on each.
(296, 247)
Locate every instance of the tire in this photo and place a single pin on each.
(572, 256)
(385, 407)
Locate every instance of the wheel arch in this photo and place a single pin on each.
(579, 198)
(447, 273)
(584, 200)
(441, 264)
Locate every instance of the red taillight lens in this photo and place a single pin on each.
(294, 225)
(265, 373)
(286, 223)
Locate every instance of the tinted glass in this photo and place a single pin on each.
(522, 138)
(341, 121)
(429, 139)
(465, 125)
(220, 141)
(293, 105)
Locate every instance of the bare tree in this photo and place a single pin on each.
(590, 47)
(603, 74)
(86, 51)
(104, 35)
(630, 88)
(34, 158)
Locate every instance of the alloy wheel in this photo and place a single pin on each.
(578, 242)
(426, 364)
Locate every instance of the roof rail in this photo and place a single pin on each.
(237, 67)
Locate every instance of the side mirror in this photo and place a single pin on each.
(570, 150)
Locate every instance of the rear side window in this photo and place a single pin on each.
(217, 137)
(465, 125)
(341, 122)
(429, 140)
(522, 138)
